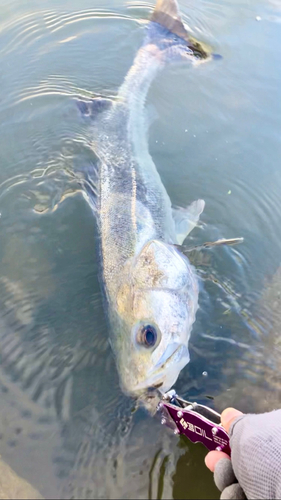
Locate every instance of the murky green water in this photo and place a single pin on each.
(65, 425)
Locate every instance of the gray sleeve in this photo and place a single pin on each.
(255, 442)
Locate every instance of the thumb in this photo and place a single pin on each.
(228, 416)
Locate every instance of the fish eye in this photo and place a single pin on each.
(147, 336)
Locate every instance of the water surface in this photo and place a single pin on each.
(65, 425)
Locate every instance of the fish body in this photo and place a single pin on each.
(150, 287)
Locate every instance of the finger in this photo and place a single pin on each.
(228, 416)
(224, 475)
(213, 457)
(233, 492)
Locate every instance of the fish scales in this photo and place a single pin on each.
(150, 287)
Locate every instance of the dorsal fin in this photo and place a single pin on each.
(187, 218)
(93, 107)
(167, 14)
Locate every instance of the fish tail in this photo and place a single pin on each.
(166, 30)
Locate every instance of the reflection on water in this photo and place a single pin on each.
(65, 425)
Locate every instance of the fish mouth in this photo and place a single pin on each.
(156, 386)
(148, 385)
(172, 361)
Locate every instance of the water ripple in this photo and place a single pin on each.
(23, 32)
(54, 346)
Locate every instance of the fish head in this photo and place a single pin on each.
(156, 307)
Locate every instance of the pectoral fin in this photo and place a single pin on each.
(187, 218)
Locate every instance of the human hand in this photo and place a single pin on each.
(255, 442)
(220, 463)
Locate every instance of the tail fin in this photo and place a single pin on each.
(167, 15)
